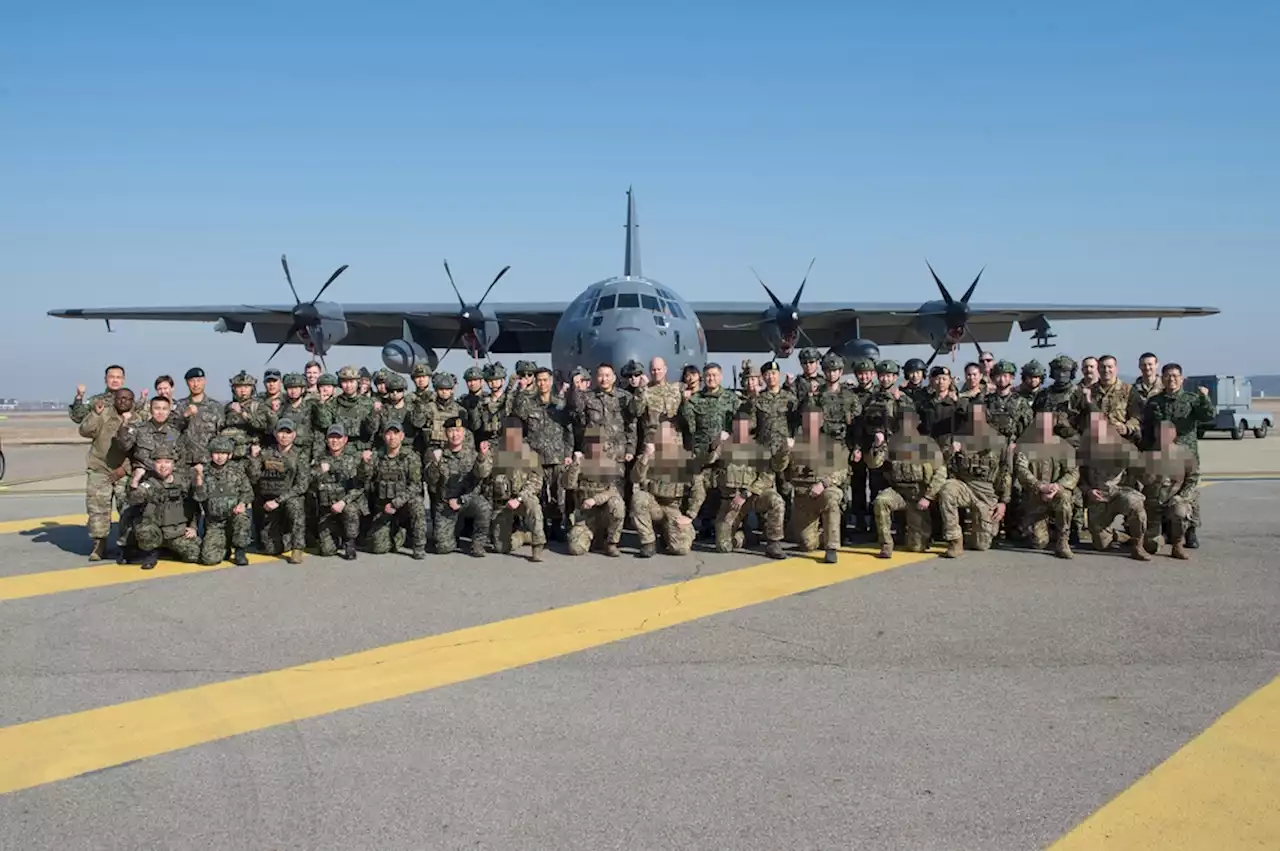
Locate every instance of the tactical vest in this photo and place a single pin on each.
(276, 474)
(392, 479)
(332, 486)
(222, 491)
(910, 478)
(171, 512)
(981, 466)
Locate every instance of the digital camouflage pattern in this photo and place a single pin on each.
(199, 426)
(281, 477)
(356, 415)
(226, 497)
(609, 412)
(142, 440)
(166, 514)
(340, 479)
(395, 500)
(1187, 412)
(246, 423)
(455, 481)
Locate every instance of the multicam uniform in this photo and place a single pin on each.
(749, 472)
(913, 469)
(518, 476)
(807, 465)
(661, 484)
(1052, 463)
(106, 471)
(1113, 469)
(596, 481)
(979, 480)
(1171, 485)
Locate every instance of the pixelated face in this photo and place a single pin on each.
(605, 377)
(666, 433)
(1044, 422)
(325, 391)
(712, 378)
(336, 443)
(160, 410)
(741, 429)
(123, 401)
(812, 422)
(312, 374)
(284, 438)
(164, 467)
(592, 447)
(543, 382)
(455, 435)
(394, 437)
(219, 458)
(350, 386)
(511, 438)
(1168, 433)
(1150, 368)
(1097, 424)
(658, 370)
(114, 378)
(195, 386)
(1172, 379)
(242, 392)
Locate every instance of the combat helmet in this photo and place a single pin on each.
(632, 369)
(832, 362)
(294, 379)
(1032, 369)
(327, 379)
(395, 381)
(1004, 367)
(887, 367)
(495, 372)
(809, 356)
(525, 368)
(913, 365)
(420, 370)
(222, 443)
(348, 373)
(243, 379)
(864, 365)
(473, 373)
(443, 381)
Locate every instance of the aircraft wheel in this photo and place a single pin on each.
(1259, 432)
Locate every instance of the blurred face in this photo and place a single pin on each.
(1044, 420)
(123, 401)
(1107, 372)
(350, 386)
(658, 370)
(1089, 370)
(1172, 380)
(394, 437)
(160, 410)
(543, 382)
(284, 438)
(712, 378)
(1150, 369)
(164, 467)
(812, 422)
(195, 386)
(1098, 425)
(114, 379)
(606, 378)
(220, 459)
(741, 429)
(336, 443)
(1167, 435)
(666, 433)
(511, 438)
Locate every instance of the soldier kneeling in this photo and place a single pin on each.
(281, 476)
(596, 478)
(663, 476)
(338, 480)
(396, 484)
(1045, 466)
(745, 474)
(165, 522)
(455, 475)
(979, 480)
(1170, 484)
(817, 470)
(227, 497)
(517, 492)
(915, 471)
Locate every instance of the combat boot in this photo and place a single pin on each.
(954, 549)
(1138, 552)
(1191, 542)
(241, 558)
(1102, 540)
(99, 548)
(648, 550)
(886, 550)
(349, 551)
(295, 556)
(832, 555)
(150, 559)
(1063, 548)
(773, 549)
(536, 555)
(1179, 551)
(477, 548)
(611, 550)
(419, 554)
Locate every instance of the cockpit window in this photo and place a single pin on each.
(664, 293)
(675, 310)
(605, 303)
(648, 302)
(628, 300)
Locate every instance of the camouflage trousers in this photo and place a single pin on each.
(505, 536)
(289, 518)
(99, 494)
(553, 497)
(980, 499)
(918, 535)
(152, 536)
(476, 506)
(703, 485)
(335, 530)
(1177, 513)
(769, 507)
(652, 514)
(1126, 503)
(601, 523)
(1038, 512)
(235, 531)
(383, 527)
(809, 512)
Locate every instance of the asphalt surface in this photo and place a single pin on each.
(992, 702)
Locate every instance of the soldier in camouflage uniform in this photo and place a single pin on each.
(864, 385)
(517, 489)
(473, 377)
(164, 496)
(775, 408)
(430, 415)
(339, 483)
(322, 411)
(1170, 483)
(1149, 383)
(352, 409)
(1045, 466)
(106, 465)
(941, 411)
(1032, 379)
(914, 385)
(494, 408)
(882, 413)
(201, 418)
(597, 477)
(224, 492)
(809, 381)
(633, 383)
(914, 472)
(1115, 399)
(80, 407)
(393, 409)
(395, 488)
(608, 409)
(1010, 415)
(751, 382)
(1070, 407)
(364, 382)
(1110, 468)
(305, 412)
(272, 393)
(421, 377)
(746, 474)
(817, 469)
(662, 475)
(1187, 412)
(142, 439)
(547, 430)
(281, 477)
(704, 417)
(245, 420)
(978, 480)
(455, 476)
(662, 399)
(380, 384)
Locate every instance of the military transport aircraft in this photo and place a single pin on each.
(630, 317)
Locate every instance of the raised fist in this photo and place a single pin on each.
(198, 469)
(513, 504)
(879, 438)
(192, 410)
(275, 404)
(484, 447)
(724, 436)
(324, 466)
(143, 397)
(255, 450)
(791, 443)
(235, 406)
(80, 388)
(435, 453)
(377, 406)
(367, 455)
(1204, 391)
(649, 450)
(588, 503)
(577, 456)
(98, 407)
(338, 506)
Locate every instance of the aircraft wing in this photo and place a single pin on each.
(888, 324)
(524, 327)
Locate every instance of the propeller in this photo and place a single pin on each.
(786, 315)
(305, 314)
(471, 317)
(956, 313)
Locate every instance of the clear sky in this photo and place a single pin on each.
(160, 153)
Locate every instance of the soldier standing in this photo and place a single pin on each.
(1171, 482)
(1149, 383)
(1032, 378)
(1115, 400)
(914, 472)
(311, 378)
(746, 473)
(817, 470)
(394, 409)
(245, 420)
(421, 376)
(281, 477)
(202, 417)
(305, 412)
(914, 386)
(882, 412)
(596, 476)
(106, 465)
(608, 409)
(979, 480)
(1045, 466)
(322, 411)
(271, 389)
(662, 476)
(339, 480)
(224, 491)
(774, 410)
(79, 408)
(142, 439)
(164, 495)
(491, 410)
(354, 410)
(809, 382)
(974, 383)
(1109, 469)
(455, 475)
(940, 409)
(473, 377)
(430, 415)
(1089, 373)
(395, 481)
(705, 416)
(662, 400)
(517, 489)
(1010, 415)
(547, 430)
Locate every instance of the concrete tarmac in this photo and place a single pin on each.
(991, 702)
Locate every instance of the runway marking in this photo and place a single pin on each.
(26, 585)
(36, 524)
(66, 746)
(1218, 791)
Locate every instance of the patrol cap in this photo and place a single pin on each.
(443, 381)
(395, 381)
(271, 375)
(832, 361)
(222, 443)
(327, 379)
(632, 369)
(348, 373)
(939, 370)
(285, 424)
(243, 379)
(526, 368)
(420, 370)
(769, 366)
(336, 430)
(1004, 367)
(163, 452)
(473, 373)
(864, 365)
(809, 356)
(495, 372)
(453, 422)
(194, 372)
(294, 379)
(394, 426)
(887, 367)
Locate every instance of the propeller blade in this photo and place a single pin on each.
(284, 261)
(946, 296)
(795, 302)
(776, 303)
(283, 343)
(745, 325)
(332, 278)
(491, 285)
(931, 359)
(964, 299)
(455, 286)
(457, 336)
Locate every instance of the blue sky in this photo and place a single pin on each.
(1105, 153)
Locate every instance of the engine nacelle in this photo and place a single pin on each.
(851, 350)
(403, 355)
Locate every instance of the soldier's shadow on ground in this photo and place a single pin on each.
(69, 539)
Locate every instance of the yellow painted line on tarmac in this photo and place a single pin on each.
(26, 585)
(66, 746)
(36, 524)
(1220, 791)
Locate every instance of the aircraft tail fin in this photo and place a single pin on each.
(631, 262)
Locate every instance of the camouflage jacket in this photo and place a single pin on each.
(611, 412)
(248, 425)
(488, 414)
(913, 465)
(340, 478)
(704, 415)
(1037, 464)
(807, 464)
(1118, 404)
(547, 427)
(429, 415)
(395, 480)
(775, 416)
(1171, 476)
(141, 440)
(107, 453)
(1109, 467)
(1143, 392)
(939, 416)
(1008, 413)
(356, 415)
(200, 427)
(594, 478)
(385, 416)
(1187, 411)
(983, 461)
(1028, 394)
(457, 472)
(279, 475)
(167, 503)
(222, 489)
(746, 469)
(80, 408)
(668, 476)
(881, 412)
(1070, 410)
(661, 404)
(517, 475)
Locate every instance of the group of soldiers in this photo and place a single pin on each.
(358, 460)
